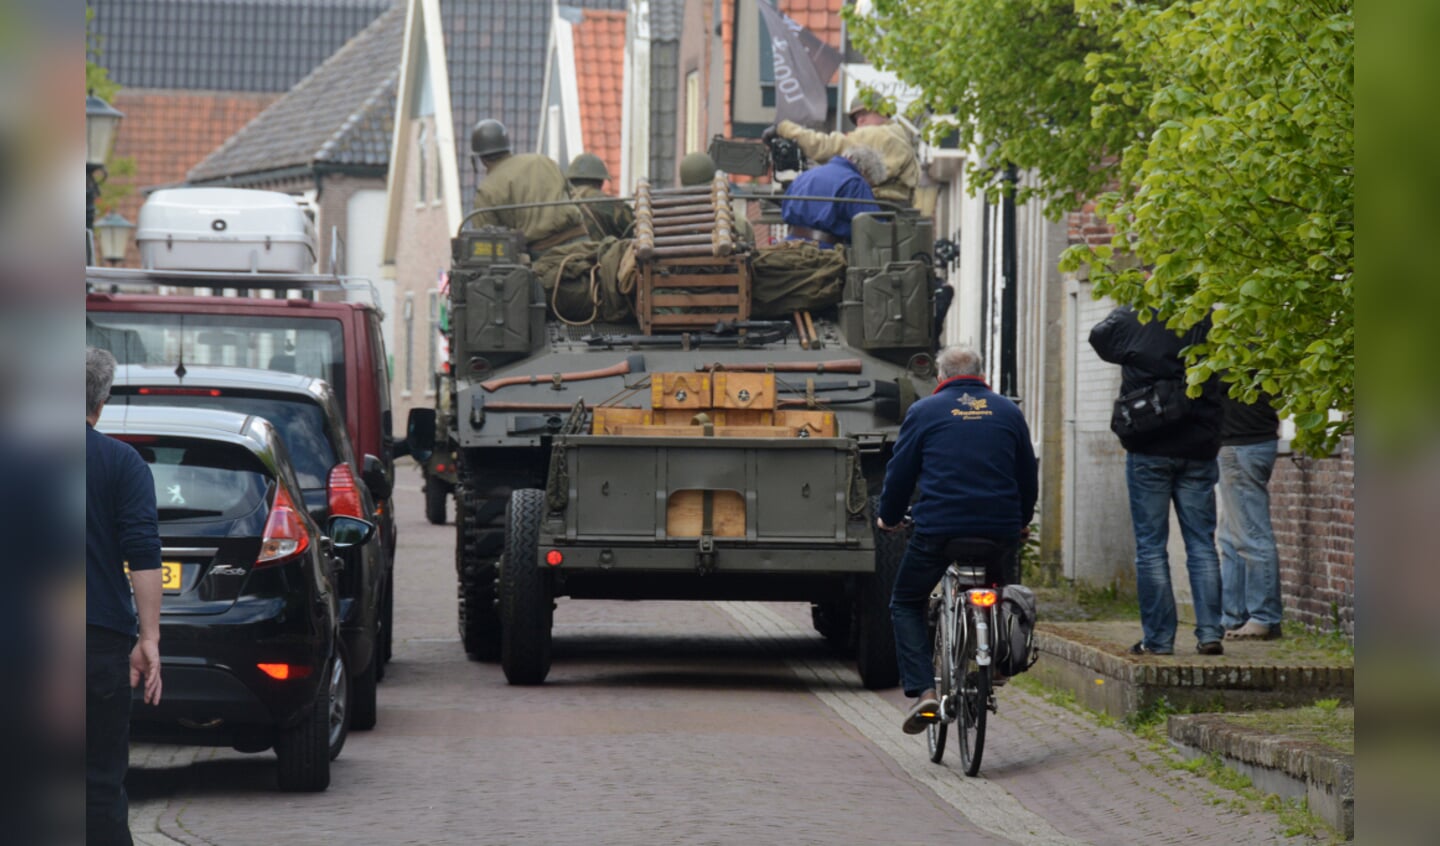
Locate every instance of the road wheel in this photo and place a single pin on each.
(935, 732)
(304, 751)
(875, 644)
(477, 544)
(973, 706)
(527, 604)
(437, 495)
(362, 697)
(834, 619)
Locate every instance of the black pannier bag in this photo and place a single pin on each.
(1015, 642)
(1152, 407)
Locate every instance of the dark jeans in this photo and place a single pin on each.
(920, 570)
(107, 736)
(1155, 482)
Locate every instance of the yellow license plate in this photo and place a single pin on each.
(170, 575)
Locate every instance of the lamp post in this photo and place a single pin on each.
(102, 121)
(113, 233)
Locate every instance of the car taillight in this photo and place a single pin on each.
(179, 392)
(344, 493)
(284, 672)
(285, 536)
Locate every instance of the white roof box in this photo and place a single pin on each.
(233, 230)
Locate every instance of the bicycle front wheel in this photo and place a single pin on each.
(973, 699)
(944, 664)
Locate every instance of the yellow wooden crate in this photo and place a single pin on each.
(680, 390)
(748, 391)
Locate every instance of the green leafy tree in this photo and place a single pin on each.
(1218, 136)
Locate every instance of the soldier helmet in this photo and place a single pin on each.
(489, 138)
(858, 105)
(588, 166)
(696, 168)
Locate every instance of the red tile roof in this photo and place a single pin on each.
(821, 17)
(169, 132)
(600, 72)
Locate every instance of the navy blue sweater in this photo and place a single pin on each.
(120, 526)
(969, 450)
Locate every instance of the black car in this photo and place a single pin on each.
(249, 641)
(308, 417)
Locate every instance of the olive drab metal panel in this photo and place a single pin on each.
(880, 238)
(889, 308)
(499, 309)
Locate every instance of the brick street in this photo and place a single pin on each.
(663, 722)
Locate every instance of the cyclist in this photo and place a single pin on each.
(969, 451)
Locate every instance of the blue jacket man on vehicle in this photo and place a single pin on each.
(846, 176)
(968, 450)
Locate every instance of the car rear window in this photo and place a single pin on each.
(300, 422)
(197, 478)
(309, 346)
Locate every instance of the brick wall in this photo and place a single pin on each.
(1312, 506)
(1086, 227)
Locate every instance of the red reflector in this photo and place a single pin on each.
(439, 468)
(984, 598)
(344, 494)
(283, 672)
(180, 392)
(554, 558)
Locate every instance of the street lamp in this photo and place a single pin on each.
(113, 233)
(102, 121)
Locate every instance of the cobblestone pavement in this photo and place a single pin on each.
(667, 722)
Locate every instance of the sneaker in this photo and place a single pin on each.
(926, 710)
(1213, 647)
(1141, 649)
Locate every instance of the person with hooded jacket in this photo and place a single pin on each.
(1173, 462)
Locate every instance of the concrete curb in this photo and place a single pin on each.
(1277, 764)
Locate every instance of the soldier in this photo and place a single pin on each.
(699, 169)
(526, 178)
(873, 130)
(587, 174)
(849, 175)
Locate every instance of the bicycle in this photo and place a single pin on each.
(965, 623)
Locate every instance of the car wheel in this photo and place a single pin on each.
(304, 751)
(527, 605)
(362, 696)
(875, 643)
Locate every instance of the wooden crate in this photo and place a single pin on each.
(692, 292)
(685, 514)
(690, 391)
(744, 391)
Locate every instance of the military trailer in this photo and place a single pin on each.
(693, 453)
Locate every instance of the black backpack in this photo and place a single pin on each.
(1015, 642)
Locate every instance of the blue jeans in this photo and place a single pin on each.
(1249, 563)
(107, 736)
(1154, 482)
(920, 570)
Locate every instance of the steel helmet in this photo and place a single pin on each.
(489, 138)
(696, 168)
(588, 166)
(857, 104)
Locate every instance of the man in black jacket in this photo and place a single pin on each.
(1169, 457)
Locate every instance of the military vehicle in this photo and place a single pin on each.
(693, 453)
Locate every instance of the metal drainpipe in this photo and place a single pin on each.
(1009, 316)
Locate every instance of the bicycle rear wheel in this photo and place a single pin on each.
(973, 699)
(944, 675)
